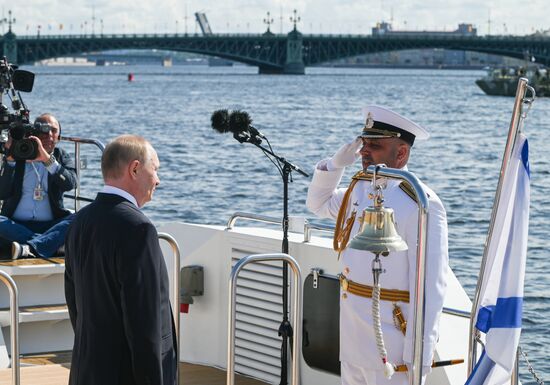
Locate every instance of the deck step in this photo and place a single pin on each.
(58, 374)
(32, 266)
(53, 358)
(36, 313)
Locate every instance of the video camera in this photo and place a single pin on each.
(16, 123)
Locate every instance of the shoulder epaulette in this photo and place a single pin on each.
(407, 189)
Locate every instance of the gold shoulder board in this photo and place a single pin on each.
(407, 189)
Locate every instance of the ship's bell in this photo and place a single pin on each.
(378, 233)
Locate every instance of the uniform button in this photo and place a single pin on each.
(344, 296)
(346, 270)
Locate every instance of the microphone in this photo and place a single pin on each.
(240, 121)
(220, 121)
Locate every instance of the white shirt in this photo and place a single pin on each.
(120, 192)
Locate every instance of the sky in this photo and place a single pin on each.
(249, 16)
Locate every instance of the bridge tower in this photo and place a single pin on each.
(10, 44)
(294, 64)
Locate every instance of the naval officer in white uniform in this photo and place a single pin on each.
(387, 138)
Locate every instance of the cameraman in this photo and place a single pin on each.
(33, 220)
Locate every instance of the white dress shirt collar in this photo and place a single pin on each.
(117, 191)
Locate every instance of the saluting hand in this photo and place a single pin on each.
(347, 154)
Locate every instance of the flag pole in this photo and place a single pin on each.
(516, 125)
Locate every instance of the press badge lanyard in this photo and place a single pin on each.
(38, 192)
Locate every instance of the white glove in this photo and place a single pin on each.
(347, 154)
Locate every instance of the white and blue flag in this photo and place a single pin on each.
(501, 296)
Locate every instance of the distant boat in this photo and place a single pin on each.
(219, 62)
(504, 81)
(66, 61)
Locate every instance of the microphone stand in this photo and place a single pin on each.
(285, 328)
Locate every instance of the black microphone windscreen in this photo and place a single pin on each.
(239, 121)
(220, 121)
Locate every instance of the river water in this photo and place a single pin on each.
(205, 177)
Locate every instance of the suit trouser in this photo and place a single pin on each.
(44, 237)
(355, 375)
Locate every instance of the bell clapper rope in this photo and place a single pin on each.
(389, 369)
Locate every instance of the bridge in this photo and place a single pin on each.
(272, 53)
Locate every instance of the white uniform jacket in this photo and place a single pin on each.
(357, 340)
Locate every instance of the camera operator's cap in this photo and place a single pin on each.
(381, 122)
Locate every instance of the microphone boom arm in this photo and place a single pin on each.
(292, 166)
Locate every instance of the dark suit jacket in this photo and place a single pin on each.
(116, 286)
(11, 184)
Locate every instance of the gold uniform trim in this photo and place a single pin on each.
(361, 290)
(407, 189)
(343, 226)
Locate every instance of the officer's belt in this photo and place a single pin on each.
(361, 290)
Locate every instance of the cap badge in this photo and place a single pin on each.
(370, 121)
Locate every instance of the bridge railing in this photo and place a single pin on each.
(142, 36)
(413, 35)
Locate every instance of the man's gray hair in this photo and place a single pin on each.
(120, 152)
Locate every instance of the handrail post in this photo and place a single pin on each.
(78, 165)
(514, 380)
(176, 289)
(14, 331)
(415, 377)
(296, 316)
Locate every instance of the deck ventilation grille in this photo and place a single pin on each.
(258, 315)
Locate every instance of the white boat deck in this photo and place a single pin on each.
(45, 325)
(58, 374)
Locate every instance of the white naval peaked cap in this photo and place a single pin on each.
(381, 122)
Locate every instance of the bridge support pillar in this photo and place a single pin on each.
(294, 64)
(10, 47)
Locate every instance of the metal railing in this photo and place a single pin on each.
(176, 289)
(296, 312)
(14, 331)
(252, 217)
(77, 142)
(309, 227)
(457, 312)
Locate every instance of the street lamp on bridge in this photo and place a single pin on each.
(11, 20)
(295, 19)
(268, 20)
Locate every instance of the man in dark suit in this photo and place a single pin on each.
(33, 220)
(116, 283)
